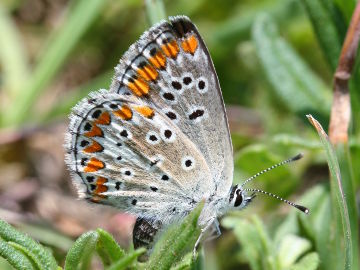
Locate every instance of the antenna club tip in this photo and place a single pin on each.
(297, 157)
(303, 209)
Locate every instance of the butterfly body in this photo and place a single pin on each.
(157, 143)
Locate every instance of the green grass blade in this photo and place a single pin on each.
(292, 80)
(340, 207)
(38, 253)
(15, 258)
(176, 241)
(127, 260)
(79, 256)
(81, 15)
(13, 59)
(107, 248)
(347, 7)
(326, 30)
(155, 11)
(291, 140)
(343, 154)
(237, 28)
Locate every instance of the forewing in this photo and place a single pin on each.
(170, 69)
(125, 153)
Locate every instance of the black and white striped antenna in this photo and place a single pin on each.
(300, 207)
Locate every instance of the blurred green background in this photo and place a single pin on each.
(275, 62)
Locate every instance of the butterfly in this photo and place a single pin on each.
(158, 142)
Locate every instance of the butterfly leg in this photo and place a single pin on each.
(215, 231)
(203, 232)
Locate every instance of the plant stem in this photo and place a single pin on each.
(341, 109)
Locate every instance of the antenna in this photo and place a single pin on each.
(300, 207)
(297, 157)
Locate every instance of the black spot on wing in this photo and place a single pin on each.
(195, 114)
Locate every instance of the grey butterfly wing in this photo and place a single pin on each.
(170, 68)
(129, 155)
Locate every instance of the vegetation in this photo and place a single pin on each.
(288, 70)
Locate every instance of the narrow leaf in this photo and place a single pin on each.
(155, 11)
(39, 254)
(345, 163)
(47, 236)
(16, 258)
(127, 260)
(293, 81)
(81, 15)
(107, 248)
(79, 256)
(71, 97)
(339, 205)
(347, 7)
(13, 59)
(176, 241)
(326, 30)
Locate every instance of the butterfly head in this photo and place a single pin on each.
(239, 198)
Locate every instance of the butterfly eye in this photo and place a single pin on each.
(239, 198)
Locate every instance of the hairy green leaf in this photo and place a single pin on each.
(107, 248)
(16, 258)
(178, 239)
(79, 256)
(34, 250)
(127, 260)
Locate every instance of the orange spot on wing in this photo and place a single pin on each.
(148, 73)
(145, 111)
(124, 113)
(171, 49)
(190, 44)
(97, 198)
(104, 119)
(158, 60)
(94, 165)
(94, 147)
(101, 180)
(139, 87)
(95, 131)
(100, 187)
